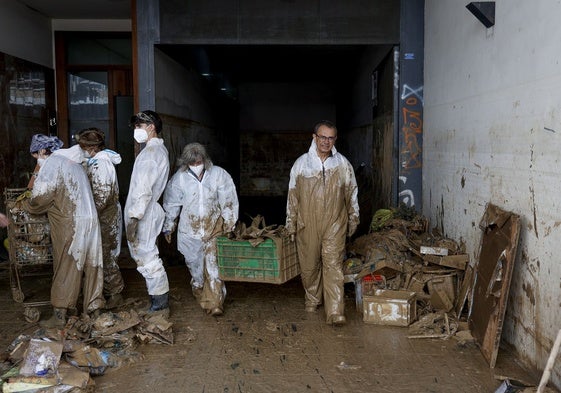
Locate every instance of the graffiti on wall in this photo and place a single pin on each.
(410, 153)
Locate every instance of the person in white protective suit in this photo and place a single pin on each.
(204, 197)
(62, 191)
(100, 168)
(144, 216)
(322, 210)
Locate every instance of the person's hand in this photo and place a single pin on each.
(3, 220)
(131, 230)
(167, 236)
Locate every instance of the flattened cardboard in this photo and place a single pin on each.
(501, 231)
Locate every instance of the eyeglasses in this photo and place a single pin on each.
(324, 138)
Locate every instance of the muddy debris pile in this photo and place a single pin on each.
(52, 360)
(401, 254)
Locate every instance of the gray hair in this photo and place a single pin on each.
(192, 153)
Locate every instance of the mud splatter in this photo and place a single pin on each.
(529, 293)
(534, 211)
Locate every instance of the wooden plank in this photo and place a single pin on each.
(501, 232)
(434, 250)
(459, 261)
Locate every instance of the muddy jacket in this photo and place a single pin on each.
(105, 187)
(322, 193)
(208, 207)
(63, 191)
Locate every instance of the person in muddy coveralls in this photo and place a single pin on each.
(100, 168)
(322, 210)
(205, 195)
(62, 191)
(144, 216)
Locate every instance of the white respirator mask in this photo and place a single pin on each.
(140, 135)
(197, 170)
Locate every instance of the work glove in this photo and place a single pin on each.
(23, 195)
(132, 227)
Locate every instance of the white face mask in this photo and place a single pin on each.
(140, 135)
(197, 170)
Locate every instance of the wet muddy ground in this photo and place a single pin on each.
(266, 342)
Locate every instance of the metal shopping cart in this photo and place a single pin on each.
(30, 250)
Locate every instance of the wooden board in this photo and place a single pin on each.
(501, 231)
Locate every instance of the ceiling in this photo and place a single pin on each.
(81, 9)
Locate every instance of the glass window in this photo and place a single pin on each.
(88, 101)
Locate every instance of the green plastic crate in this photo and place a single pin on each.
(238, 260)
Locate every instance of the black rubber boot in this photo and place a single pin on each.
(160, 305)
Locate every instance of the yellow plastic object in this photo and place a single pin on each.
(24, 195)
(7, 244)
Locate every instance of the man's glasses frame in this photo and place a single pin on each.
(323, 138)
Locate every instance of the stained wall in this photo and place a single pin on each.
(493, 134)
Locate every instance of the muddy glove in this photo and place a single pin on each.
(131, 230)
(24, 195)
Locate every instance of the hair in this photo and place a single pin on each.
(147, 117)
(326, 123)
(90, 137)
(192, 153)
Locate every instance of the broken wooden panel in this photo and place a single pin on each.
(455, 261)
(464, 290)
(501, 230)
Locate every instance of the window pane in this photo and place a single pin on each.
(92, 51)
(88, 102)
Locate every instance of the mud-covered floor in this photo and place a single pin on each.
(266, 342)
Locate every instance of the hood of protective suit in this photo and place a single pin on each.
(314, 149)
(106, 154)
(74, 153)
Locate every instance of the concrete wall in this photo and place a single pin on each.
(493, 134)
(279, 21)
(25, 34)
(191, 113)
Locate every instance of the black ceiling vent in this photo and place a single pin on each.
(484, 11)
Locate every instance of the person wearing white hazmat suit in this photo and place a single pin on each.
(62, 191)
(144, 216)
(204, 197)
(100, 168)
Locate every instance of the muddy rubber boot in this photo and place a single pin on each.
(160, 305)
(197, 293)
(58, 320)
(114, 301)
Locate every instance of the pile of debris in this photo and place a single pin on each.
(52, 360)
(399, 254)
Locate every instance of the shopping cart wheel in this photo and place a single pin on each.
(17, 295)
(32, 314)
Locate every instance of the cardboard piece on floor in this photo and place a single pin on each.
(501, 231)
(41, 358)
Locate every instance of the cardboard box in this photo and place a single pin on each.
(386, 307)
